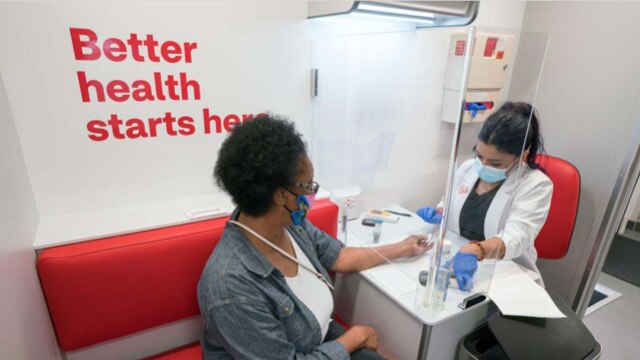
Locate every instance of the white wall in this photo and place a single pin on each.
(388, 80)
(587, 92)
(251, 56)
(26, 331)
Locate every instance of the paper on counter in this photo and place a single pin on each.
(516, 294)
(393, 279)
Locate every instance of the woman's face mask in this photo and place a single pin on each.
(305, 202)
(490, 174)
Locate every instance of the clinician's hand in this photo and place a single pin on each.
(429, 214)
(464, 267)
(416, 245)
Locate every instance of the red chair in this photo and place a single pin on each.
(555, 236)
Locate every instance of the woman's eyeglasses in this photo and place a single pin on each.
(311, 188)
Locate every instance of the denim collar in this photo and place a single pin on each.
(250, 257)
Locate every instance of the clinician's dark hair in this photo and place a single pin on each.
(259, 156)
(506, 129)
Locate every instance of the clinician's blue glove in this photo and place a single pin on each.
(430, 215)
(464, 267)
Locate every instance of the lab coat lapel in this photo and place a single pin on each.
(500, 206)
(461, 191)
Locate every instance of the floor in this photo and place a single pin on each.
(616, 326)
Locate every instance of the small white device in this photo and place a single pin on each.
(385, 216)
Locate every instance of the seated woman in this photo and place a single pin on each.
(265, 292)
(500, 199)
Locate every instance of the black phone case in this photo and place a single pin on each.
(368, 222)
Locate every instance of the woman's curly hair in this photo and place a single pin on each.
(259, 156)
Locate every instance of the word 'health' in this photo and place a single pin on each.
(160, 88)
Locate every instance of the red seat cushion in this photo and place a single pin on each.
(555, 236)
(105, 289)
(187, 352)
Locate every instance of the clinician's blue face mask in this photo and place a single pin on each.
(488, 173)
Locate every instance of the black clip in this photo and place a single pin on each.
(471, 300)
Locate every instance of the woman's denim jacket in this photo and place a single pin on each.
(249, 310)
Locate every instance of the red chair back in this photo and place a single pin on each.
(555, 236)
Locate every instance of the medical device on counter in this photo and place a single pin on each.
(385, 216)
(491, 62)
(442, 280)
(377, 231)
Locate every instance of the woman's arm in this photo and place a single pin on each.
(351, 259)
(491, 248)
(527, 215)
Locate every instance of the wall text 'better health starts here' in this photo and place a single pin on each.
(156, 86)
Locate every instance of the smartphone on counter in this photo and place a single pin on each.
(368, 222)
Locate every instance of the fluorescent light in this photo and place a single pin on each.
(392, 10)
(413, 20)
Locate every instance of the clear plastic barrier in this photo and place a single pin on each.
(399, 115)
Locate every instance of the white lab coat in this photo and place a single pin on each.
(516, 214)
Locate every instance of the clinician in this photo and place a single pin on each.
(500, 199)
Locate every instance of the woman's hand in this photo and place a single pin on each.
(416, 245)
(464, 266)
(359, 336)
(371, 338)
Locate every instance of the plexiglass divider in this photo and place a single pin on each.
(381, 121)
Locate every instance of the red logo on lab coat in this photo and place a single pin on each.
(463, 189)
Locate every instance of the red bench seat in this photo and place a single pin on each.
(110, 288)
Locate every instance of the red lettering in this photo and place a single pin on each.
(169, 120)
(115, 123)
(114, 49)
(208, 118)
(169, 49)
(153, 124)
(84, 87)
(97, 130)
(188, 47)
(85, 47)
(142, 91)
(158, 81)
(118, 90)
(79, 45)
(151, 44)
(186, 125)
(230, 122)
(171, 84)
(185, 84)
(135, 43)
(136, 129)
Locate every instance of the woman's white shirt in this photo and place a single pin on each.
(311, 291)
(516, 214)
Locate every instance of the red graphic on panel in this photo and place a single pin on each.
(460, 46)
(490, 47)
